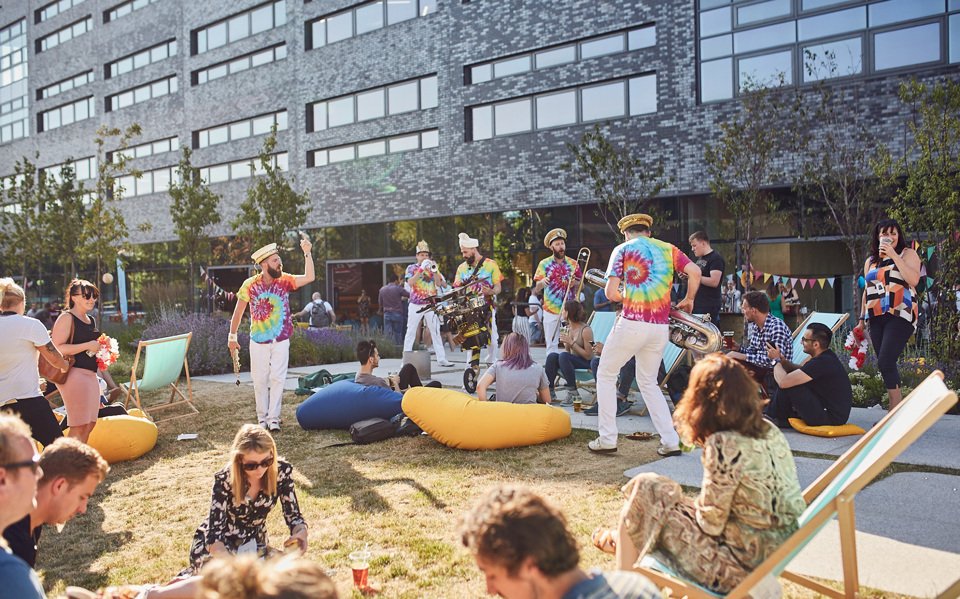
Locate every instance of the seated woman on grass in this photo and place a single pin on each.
(749, 499)
(244, 492)
(519, 379)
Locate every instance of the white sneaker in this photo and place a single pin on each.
(445, 364)
(597, 446)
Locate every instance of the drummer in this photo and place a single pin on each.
(486, 278)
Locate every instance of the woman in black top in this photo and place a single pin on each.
(75, 334)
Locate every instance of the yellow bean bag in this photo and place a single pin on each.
(840, 430)
(462, 422)
(125, 437)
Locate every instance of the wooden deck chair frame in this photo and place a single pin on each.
(812, 317)
(850, 473)
(133, 387)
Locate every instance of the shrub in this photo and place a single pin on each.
(208, 347)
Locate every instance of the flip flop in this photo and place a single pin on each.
(641, 436)
(605, 540)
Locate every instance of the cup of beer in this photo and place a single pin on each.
(360, 564)
(577, 405)
(728, 340)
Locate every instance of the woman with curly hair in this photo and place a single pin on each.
(749, 499)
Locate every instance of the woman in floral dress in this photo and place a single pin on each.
(244, 492)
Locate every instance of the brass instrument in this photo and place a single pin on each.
(235, 354)
(583, 259)
(686, 330)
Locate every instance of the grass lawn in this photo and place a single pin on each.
(403, 497)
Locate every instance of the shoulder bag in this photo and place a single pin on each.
(51, 373)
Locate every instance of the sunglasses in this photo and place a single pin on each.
(251, 466)
(806, 339)
(33, 464)
(86, 292)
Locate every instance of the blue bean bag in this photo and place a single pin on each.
(341, 404)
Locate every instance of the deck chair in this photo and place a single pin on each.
(164, 360)
(833, 494)
(832, 320)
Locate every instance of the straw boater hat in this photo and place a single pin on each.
(468, 242)
(554, 235)
(422, 246)
(632, 220)
(265, 252)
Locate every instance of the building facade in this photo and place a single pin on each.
(409, 119)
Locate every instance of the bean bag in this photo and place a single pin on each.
(840, 430)
(462, 422)
(341, 404)
(124, 437)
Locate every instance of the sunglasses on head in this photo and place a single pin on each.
(251, 466)
(33, 464)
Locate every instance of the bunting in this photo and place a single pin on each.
(215, 291)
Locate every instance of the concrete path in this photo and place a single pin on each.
(908, 524)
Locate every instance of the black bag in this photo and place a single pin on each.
(318, 315)
(405, 427)
(372, 430)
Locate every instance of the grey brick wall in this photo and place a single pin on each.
(456, 178)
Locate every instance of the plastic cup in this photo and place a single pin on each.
(577, 405)
(360, 564)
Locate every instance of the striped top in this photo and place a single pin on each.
(889, 293)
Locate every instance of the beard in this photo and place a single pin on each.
(469, 259)
(275, 272)
(559, 254)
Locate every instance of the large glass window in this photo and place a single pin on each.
(240, 26)
(904, 47)
(340, 112)
(142, 58)
(64, 35)
(125, 8)
(370, 17)
(418, 94)
(403, 97)
(766, 69)
(555, 110)
(142, 93)
(833, 59)
(52, 9)
(240, 169)
(66, 114)
(612, 44)
(240, 64)
(762, 11)
(897, 11)
(59, 87)
(556, 56)
(371, 105)
(512, 117)
(406, 142)
(259, 125)
(364, 18)
(842, 21)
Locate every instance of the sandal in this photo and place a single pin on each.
(605, 539)
(641, 436)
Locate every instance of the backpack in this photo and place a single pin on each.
(318, 315)
(372, 430)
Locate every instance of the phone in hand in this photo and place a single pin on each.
(771, 345)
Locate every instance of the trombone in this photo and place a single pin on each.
(583, 260)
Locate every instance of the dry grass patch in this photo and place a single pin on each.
(403, 497)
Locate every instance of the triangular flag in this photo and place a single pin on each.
(929, 281)
(916, 245)
(923, 270)
(776, 278)
(929, 252)
(821, 281)
(676, 286)
(793, 281)
(766, 277)
(802, 283)
(831, 280)
(812, 282)
(729, 277)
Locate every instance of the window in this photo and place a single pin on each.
(842, 21)
(766, 69)
(406, 142)
(161, 146)
(904, 47)
(407, 96)
(67, 84)
(142, 93)
(633, 96)
(239, 64)
(64, 35)
(592, 47)
(897, 11)
(239, 26)
(762, 11)
(141, 59)
(240, 169)
(53, 9)
(258, 125)
(833, 59)
(66, 114)
(152, 181)
(84, 169)
(124, 9)
(363, 18)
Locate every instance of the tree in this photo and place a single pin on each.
(22, 217)
(843, 166)
(621, 183)
(193, 209)
(104, 228)
(272, 207)
(61, 216)
(743, 163)
(929, 202)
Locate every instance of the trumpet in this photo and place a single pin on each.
(686, 330)
(430, 265)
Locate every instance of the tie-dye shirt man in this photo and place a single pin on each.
(424, 287)
(557, 274)
(488, 275)
(270, 317)
(646, 266)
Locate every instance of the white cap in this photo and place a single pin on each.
(468, 242)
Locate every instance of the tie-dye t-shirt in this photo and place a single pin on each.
(270, 318)
(557, 275)
(424, 287)
(487, 276)
(646, 267)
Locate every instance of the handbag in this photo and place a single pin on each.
(51, 373)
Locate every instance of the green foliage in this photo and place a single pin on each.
(929, 202)
(61, 217)
(22, 217)
(104, 228)
(621, 183)
(193, 208)
(743, 163)
(272, 207)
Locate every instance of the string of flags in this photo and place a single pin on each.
(750, 276)
(215, 291)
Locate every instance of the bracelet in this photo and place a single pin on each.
(231, 337)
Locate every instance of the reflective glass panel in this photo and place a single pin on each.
(427, 7)
(716, 46)
(340, 112)
(369, 17)
(814, 4)
(765, 37)
(318, 32)
(403, 98)
(481, 73)
(895, 11)
(765, 70)
(239, 27)
(401, 10)
(555, 110)
(319, 116)
(600, 47)
(603, 101)
(373, 148)
(715, 21)
(428, 92)
(642, 38)
(218, 135)
(902, 47)
(705, 4)
(643, 95)
(833, 59)
(404, 143)
(482, 120)
(762, 11)
(852, 19)
(341, 154)
(217, 36)
(430, 139)
(339, 27)
(263, 124)
(954, 38)
(262, 19)
(511, 66)
(716, 80)
(549, 58)
(240, 130)
(512, 117)
(370, 105)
